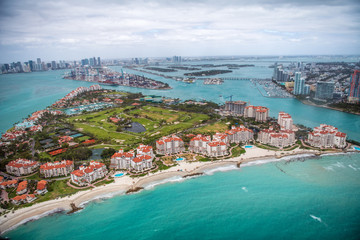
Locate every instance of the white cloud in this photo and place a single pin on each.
(192, 28)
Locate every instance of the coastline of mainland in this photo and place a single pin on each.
(253, 156)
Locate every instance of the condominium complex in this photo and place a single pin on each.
(127, 160)
(280, 139)
(260, 113)
(285, 121)
(326, 136)
(240, 134)
(170, 145)
(57, 168)
(86, 175)
(235, 107)
(20, 167)
(199, 143)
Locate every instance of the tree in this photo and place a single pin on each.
(107, 153)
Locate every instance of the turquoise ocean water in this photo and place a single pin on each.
(314, 199)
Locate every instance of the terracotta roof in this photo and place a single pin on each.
(41, 185)
(56, 164)
(22, 186)
(18, 163)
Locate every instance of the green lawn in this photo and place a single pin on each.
(215, 127)
(157, 122)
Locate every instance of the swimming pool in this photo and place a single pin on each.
(119, 174)
(179, 159)
(357, 148)
(248, 146)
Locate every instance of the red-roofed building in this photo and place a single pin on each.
(119, 101)
(65, 139)
(326, 136)
(285, 121)
(20, 167)
(221, 137)
(141, 163)
(25, 198)
(170, 145)
(240, 134)
(55, 169)
(280, 139)
(199, 143)
(41, 187)
(89, 141)
(57, 152)
(1, 179)
(22, 188)
(86, 175)
(260, 113)
(121, 159)
(8, 184)
(216, 149)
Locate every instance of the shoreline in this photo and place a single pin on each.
(122, 184)
(307, 102)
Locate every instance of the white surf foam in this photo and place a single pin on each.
(220, 169)
(56, 210)
(329, 168)
(167, 180)
(339, 165)
(354, 168)
(101, 197)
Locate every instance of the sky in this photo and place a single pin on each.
(71, 30)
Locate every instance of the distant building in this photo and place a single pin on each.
(170, 145)
(21, 167)
(354, 94)
(176, 59)
(55, 169)
(86, 175)
(235, 107)
(324, 90)
(326, 136)
(279, 139)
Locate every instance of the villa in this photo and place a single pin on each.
(199, 143)
(260, 113)
(170, 145)
(86, 175)
(25, 198)
(240, 134)
(21, 167)
(55, 169)
(280, 139)
(22, 188)
(326, 136)
(8, 184)
(41, 187)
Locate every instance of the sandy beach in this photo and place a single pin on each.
(122, 184)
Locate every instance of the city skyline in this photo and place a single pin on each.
(70, 30)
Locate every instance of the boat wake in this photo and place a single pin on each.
(245, 189)
(317, 219)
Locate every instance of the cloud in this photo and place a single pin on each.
(125, 28)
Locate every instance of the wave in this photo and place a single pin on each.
(36, 217)
(352, 167)
(101, 197)
(166, 180)
(220, 169)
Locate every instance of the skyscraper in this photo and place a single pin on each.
(38, 65)
(354, 94)
(299, 84)
(98, 61)
(324, 90)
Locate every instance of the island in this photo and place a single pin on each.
(208, 73)
(82, 146)
(106, 76)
